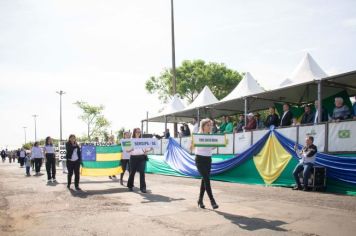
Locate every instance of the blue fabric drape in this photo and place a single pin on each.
(340, 168)
(181, 161)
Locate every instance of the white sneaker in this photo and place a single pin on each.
(49, 181)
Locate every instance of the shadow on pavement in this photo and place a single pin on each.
(150, 197)
(86, 193)
(253, 223)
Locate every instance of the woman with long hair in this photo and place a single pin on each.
(37, 156)
(74, 158)
(138, 160)
(49, 152)
(203, 163)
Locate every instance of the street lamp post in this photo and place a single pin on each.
(24, 129)
(173, 62)
(35, 118)
(60, 113)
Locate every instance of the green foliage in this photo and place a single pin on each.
(191, 78)
(92, 116)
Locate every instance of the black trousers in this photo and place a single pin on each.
(22, 161)
(38, 164)
(50, 166)
(73, 167)
(204, 166)
(124, 164)
(137, 163)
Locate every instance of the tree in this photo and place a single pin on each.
(92, 116)
(191, 78)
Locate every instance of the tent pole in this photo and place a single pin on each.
(245, 110)
(165, 125)
(320, 104)
(198, 116)
(147, 122)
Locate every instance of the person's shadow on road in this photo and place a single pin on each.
(86, 193)
(149, 197)
(253, 223)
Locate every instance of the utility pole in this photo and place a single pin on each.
(60, 113)
(35, 117)
(24, 129)
(173, 62)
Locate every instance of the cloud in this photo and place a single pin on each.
(349, 23)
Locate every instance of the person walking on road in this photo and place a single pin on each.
(37, 156)
(50, 160)
(74, 159)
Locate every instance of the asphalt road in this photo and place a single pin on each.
(28, 206)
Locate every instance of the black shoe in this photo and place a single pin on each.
(68, 186)
(214, 205)
(297, 188)
(143, 191)
(121, 182)
(305, 189)
(110, 177)
(78, 189)
(130, 189)
(201, 204)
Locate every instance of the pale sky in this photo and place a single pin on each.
(102, 52)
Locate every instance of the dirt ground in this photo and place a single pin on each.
(28, 206)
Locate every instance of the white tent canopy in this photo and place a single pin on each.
(247, 86)
(306, 71)
(174, 105)
(204, 98)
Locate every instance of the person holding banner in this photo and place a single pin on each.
(125, 161)
(203, 163)
(137, 163)
(74, 158)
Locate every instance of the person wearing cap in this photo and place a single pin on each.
(251, 122)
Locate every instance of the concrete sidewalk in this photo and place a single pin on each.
(28, 206)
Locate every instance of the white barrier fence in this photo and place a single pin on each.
(328, 137)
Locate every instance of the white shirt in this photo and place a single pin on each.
(196, 128)
(125, 155)
(75, 155)
(36, 152)
(22, 154)
(137, 152)
(204, 151)
(49, 149)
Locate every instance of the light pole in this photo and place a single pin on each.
(24, 129)
(35, 117)
(60, 113)
(173, 61)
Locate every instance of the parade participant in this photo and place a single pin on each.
(50, 160)
(203, 163)
(22, 156)
(111, 142)
(3, 155)
(307, 159)
(37, 156)
(125, 160)
(74, 159)
(27, 160)
(137, 163)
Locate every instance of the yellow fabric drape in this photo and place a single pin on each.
(272, 160)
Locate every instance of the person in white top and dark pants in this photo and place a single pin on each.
(37, 156)
(74, 159)
(125, 161)
(203, 163)
(138, 160)
(50, 160)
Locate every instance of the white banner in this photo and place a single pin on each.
(228, 149)
(258, 134)
(242, 142)
(317, 131)
(290, 132)
(342, 136)
(209, 140)
(186, 143)
(128, 144)
(62, 150)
